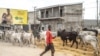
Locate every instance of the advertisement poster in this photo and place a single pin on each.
(13, 16)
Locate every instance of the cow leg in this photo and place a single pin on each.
(25, 42)
(20, 43)
(63, 42)
(76, 44)
(85, 46)
(82, 44)
(13, 41)
(38, 38)
(29, 43)
(95, 46)
(72, 43)
(80, 41)
(66, 41)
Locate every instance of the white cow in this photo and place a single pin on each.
(86, 38)
(43, 35)
(87, 33)
(98, 29)
(8, 34)
(16, 37)
(54, 34)
(28, 38)
(1, 34)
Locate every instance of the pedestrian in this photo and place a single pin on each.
(49, 43)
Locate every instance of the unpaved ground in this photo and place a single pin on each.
(7, 49)
(72, 50)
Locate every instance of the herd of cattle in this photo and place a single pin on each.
(85, 35)
(15, 36)
(26, 38)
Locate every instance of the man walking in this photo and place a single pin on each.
(49, 42)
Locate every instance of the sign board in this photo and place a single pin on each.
(13, 16)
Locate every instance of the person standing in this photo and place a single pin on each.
(49, 43)
(9, 17)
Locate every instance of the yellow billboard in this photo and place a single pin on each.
(13, 16)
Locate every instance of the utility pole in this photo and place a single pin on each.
(34, 14)
(97, 14)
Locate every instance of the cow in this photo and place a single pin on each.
(27, 38)
(86, 38)
(93, 30)
(1, 34)
(16, 37)
(71, 36)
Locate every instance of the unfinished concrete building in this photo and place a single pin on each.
(61, 16)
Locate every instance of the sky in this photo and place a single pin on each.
(89, 6)
(30, 4)
(90, 9)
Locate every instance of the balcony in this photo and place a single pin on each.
(51, 18)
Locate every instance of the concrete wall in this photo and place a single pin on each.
(31, 18)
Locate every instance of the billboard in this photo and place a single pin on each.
(13, 16)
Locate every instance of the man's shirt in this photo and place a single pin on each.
(48, 37)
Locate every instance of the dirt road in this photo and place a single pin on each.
(7, 49)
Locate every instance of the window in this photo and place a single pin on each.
(42, 14)
(47, 14)
(61, 12)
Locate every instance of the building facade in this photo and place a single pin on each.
(32, 18)
(32, 21)
(61, 16)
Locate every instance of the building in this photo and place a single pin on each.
(61, 16)
(90, 23)
(32, 18)
(32, 21)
